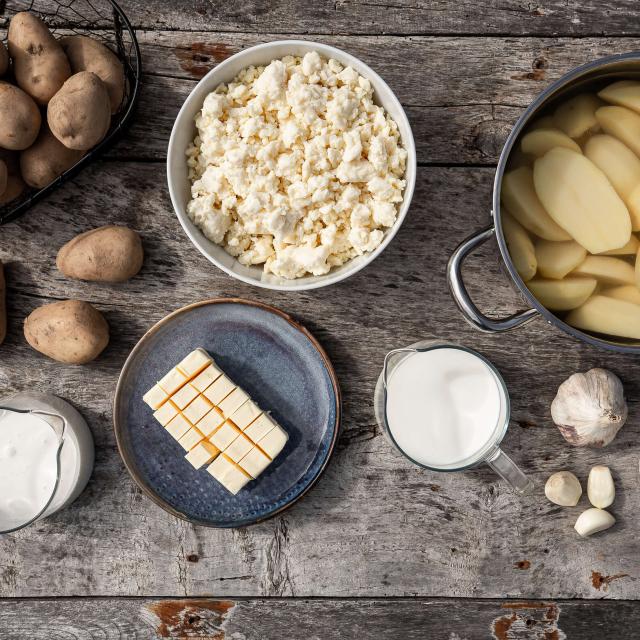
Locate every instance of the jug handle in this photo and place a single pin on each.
(508, 470)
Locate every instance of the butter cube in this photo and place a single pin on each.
(228, 474)
(273, 443)
(224, 436)
(206, 378)
(191, 439)
(172, 381)
(233, 402)
(178, 426)
(260, 427)
(167, 412)
(203, 453)
(155, 397)
(245, 415)
(184, 396)
(239, 448)
(194, 363)
(255, 462)
(210, 422)
(197, 409)
(219, 390)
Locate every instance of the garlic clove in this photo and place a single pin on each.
(589, 408)
(592, 521)
(600, 487)
(563, 488)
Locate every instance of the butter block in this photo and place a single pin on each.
(228, 474)
(155, 397)
(184, 396)
(167, 412)
(210, 422)
(173, 381)
(191, 439)
(239, 448)
(203, 453)
(245, 415)
(206, 378)
(273, 443)
(255, 462)
(178, 426)
(194, 363)
(233, 402)
(260, 427)
(219, 390)
(224, 436)
(197, 409)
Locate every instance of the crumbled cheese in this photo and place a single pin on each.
(294, 167)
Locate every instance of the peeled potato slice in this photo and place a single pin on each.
(606, 269)
(520, 247)
(628, 292)
(625, 93)
(577, 115)
(629, 249)
(603, 314)
(621, 123)
(562, 295)
(538, 142)
(520, 198)
(578, 196)
(621, 166)
(557, 259)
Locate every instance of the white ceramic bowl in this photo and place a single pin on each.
(184, 132)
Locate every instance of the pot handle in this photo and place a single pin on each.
(471, 313)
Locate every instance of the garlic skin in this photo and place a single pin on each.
(593, 521)
(600, 487)
(589, 408)
(563, 488)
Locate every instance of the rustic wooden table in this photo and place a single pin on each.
(395, 552)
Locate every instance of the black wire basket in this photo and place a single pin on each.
(102, 20)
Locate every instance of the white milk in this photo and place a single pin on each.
(444, 406)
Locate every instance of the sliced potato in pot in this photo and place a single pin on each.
(621, 123)
(624, 93)
(628, 292)
(629, 249)
(577, 115)
(538, 142)
(557, 259)
(562, 295)
(603, 314)
(520, 246)
(606, 269)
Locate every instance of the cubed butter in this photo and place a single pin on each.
(219, 390)
(233, 402)
(239, 448)
(260, 427)
(228, 474)
(178, 426)
(245, 414)
(203, 453)
(173, 381)
(224, 436)
(184, 396)
(255, 462)
(210, 422)
(206, 378)
(167, 412)
(273, 443)
(194, 363)
(191, 439)
(197, 409)
(155, 397)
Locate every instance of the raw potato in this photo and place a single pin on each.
(70, 331)
(520, 247)
(602, 314)
(39, 63)
(15, 187)
(628, 292)
(3, 305)
(46, 159)
(562, 295)
(607, 270)
(538, 142)
(625, 93)
(621, 123)
(629, 249)
(19, 118)
(622, 167)
(106, 254)
(557, 259)
(87, 54)
(79, 115)
(3, 176)
(520, 197)
(577, 115)
(580, 199)
(4, 60)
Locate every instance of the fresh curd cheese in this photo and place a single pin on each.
(295, 167)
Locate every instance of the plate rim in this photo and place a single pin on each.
(152, 331)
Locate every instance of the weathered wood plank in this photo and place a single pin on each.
(374, 525)
(140, 619)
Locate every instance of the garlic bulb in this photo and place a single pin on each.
(590, 408)
(563, 488)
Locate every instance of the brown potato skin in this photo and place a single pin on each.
(15, 187)
(4, 59)
(3, 305)
(46, 159)
(79, 115)
(71, 331)
(87, 54)
(4, 173)
(39, 63)
(19, 118)
(106, 254)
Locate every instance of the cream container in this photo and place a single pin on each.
(46, 458)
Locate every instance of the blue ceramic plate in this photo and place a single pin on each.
(278, 363)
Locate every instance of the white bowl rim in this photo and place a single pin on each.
(410, 176)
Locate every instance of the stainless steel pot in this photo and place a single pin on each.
(603, 70)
